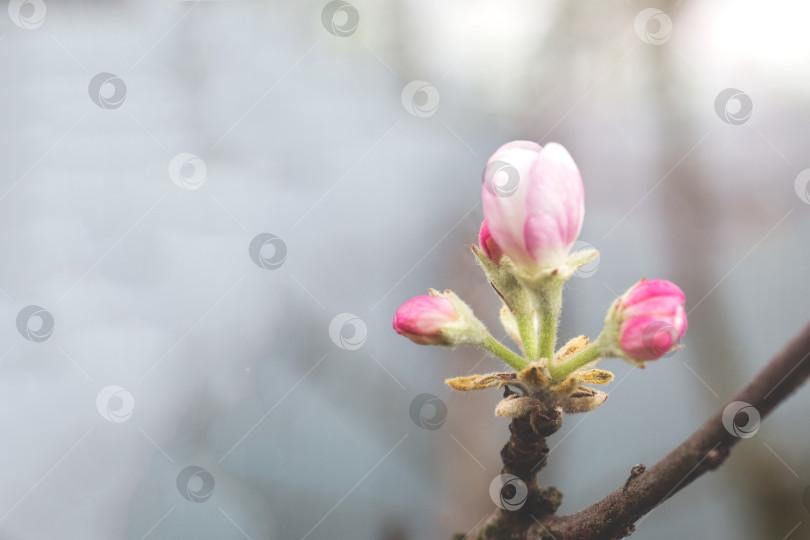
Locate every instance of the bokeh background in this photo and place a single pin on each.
(217, 206)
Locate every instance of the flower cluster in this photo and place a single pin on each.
(533, 202)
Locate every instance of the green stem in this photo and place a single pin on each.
(504, 353)
(549, 306)
(560, 372)
(528, 332)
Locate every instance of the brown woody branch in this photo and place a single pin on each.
(707, 448)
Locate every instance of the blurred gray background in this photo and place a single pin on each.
(173, 347)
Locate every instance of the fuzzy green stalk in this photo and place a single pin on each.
(504, 353)
(560, 372)
(528, 333)
(549, 304)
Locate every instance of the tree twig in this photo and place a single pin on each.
(707, 448)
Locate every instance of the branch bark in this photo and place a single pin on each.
(707, 448)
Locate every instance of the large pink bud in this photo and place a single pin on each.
(421, 319)
(533, 203)
(653, 319)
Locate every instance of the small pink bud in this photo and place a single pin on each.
(533, 202)
(487, 243)
(421, 319)
(652, 319)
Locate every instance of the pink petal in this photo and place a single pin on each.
(505, 210)
(648, 337)
(651, 288)
(662, 306)
(487, 243)
(555, 206)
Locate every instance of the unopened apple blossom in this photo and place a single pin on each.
(422, 319)
(533, 203)
(652, 317)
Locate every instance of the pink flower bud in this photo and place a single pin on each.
(652, 319)
(487, 243)
(421, 319)
(533, 202)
